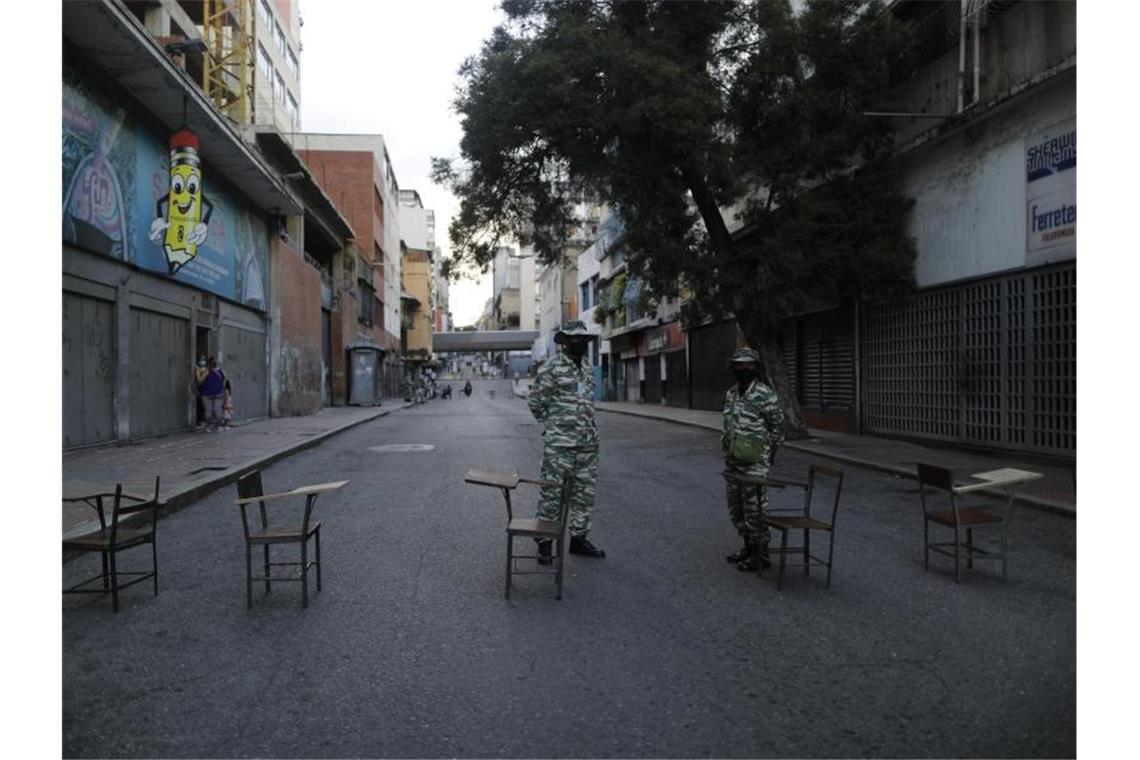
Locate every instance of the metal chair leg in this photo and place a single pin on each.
(304, 574)
(561, 562)
(114, 585)
(266, 548)
(807, 552)
(248, 577)
(317, 536)
(510, 556)
(106, 578)
(830, 554)
(154, 562)
(783, 558)
(969, 548)
(926, 544)
(1004, 550)
(957, 554)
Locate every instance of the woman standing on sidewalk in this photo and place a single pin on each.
(213, 395)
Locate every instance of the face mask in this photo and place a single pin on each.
(576, 349)
(743, 375)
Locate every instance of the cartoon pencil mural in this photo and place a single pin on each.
(183, 215)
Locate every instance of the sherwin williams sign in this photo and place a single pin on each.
(136, 194)
(1051, 193)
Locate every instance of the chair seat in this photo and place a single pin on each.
(283, 533)
(101, 540)
(796, 522)
(969, 516)
(530, 526)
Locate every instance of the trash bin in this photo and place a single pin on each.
(363, 373)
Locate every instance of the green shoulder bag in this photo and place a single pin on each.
(746, 448)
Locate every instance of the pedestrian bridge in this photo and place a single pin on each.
(484, 340)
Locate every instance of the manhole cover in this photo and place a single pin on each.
(402, 447)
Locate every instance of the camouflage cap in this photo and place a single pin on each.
(745, 356)
(573, 329)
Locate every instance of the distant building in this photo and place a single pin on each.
(356, 172)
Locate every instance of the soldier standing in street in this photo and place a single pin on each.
(753, 427)
(562, 401)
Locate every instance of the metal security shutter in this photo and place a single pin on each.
(244, 366)
(88, 370)
(676, 379)
(652, 379)
(160, 373)
(710, 349)
(990, 363)
(825, 362)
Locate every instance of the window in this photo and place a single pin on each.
(294, 112)
(292, 65)
(279, 90)
(279, 38)
(584, 299)
(264, 14)
(264, 63)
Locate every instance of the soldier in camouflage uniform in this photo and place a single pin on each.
(562, 400)
(752, 409)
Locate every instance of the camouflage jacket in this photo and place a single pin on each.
(562, 400)
(756, 413)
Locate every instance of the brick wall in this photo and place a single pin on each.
(297, 323)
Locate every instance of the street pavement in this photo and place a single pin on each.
(662, 649)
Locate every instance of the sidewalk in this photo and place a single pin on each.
(1056, 491)
(192, 464)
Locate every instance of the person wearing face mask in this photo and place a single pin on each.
(753, 427)
(562, 401)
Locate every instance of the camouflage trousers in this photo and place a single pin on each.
(556, 461)
(746, 503)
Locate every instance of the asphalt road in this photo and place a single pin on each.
(661, 649)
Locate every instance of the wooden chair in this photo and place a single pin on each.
(538, 529)
(115, 537)
(958, 518)
(804, 521)
(249, 491)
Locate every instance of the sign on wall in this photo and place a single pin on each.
(1051, 194)
(141, 196)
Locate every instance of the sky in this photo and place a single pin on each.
(389, 67)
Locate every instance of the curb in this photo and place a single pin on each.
(187, 496)
(1047, 505)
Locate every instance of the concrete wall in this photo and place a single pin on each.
(295, 338)
(969, 217)
(417, 280)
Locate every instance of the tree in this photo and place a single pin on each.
(671, 111)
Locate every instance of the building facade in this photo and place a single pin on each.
(168, 228)
(355, 171)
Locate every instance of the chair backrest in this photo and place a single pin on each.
(935, 477)
(248, 487)
(814, 472)
(151, 504)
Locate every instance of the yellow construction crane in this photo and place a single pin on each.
(228, 65)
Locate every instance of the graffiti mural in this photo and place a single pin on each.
(182, 224)
(136, 194)
(98, 176)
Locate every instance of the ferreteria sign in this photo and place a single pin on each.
(1051, 194)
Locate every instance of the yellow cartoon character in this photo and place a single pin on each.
(183, 215)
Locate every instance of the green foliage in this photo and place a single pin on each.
(600, 313)
(668, 110)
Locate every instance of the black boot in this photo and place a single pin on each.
(582, 545)
(543, 557)
(741, 555)
(757, 559)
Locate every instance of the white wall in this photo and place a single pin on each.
(969, 217)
